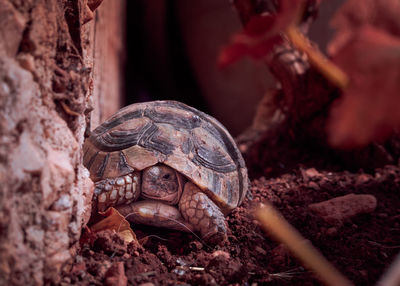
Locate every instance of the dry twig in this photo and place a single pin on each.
(280, 229)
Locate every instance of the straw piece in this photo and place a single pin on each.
(281, 230)
(331, 71)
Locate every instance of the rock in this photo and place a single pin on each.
(363, 178)
(109, 242)
(314, 186)
(280, 255)
(103, 268)
(195, 245)
(13, 25)
(336, 211)
(63, 203)
(331, 231)
(220, 252)
(27, 157)
(225, 268)
(115, 276)
(26, 61)
(310, 174)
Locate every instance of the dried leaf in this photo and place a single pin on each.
(369, 107)
(261, 34)
(93, 4)
(86, 237)
(114, 221)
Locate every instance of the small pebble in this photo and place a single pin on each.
(310, 174)
(280, 255)
(196, 245)
(331, 231)
(314, 186)
(337, 210)
(260, 250)
(220, 252)
(103, 268)
(363, 178)
(26, 61)
(115, 276)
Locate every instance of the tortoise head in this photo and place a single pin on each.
(160, 182)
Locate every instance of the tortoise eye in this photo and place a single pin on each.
(166, 176)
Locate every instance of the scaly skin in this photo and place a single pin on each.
(160, 188)
(112, 192)
(203, 214)
(161, 183)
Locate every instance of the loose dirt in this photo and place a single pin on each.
(361, 246)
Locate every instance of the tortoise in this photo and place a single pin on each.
(168, 164)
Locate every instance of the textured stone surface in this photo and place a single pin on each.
(45, 192)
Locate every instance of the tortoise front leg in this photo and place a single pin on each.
(203, 214)
(116, 191)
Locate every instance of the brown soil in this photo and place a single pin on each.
(361, 247)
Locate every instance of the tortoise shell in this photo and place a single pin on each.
(171, 133)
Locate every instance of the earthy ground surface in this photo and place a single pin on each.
(294, 177)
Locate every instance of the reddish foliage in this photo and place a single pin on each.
(366, 47)
(368, 109)
(261, 34)
(237, 50)
(382, 14)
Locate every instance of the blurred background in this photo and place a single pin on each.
(172, 49)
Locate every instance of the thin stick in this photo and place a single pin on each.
(281, 230)
(317, 59)
(392, 275)
(68, 110)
